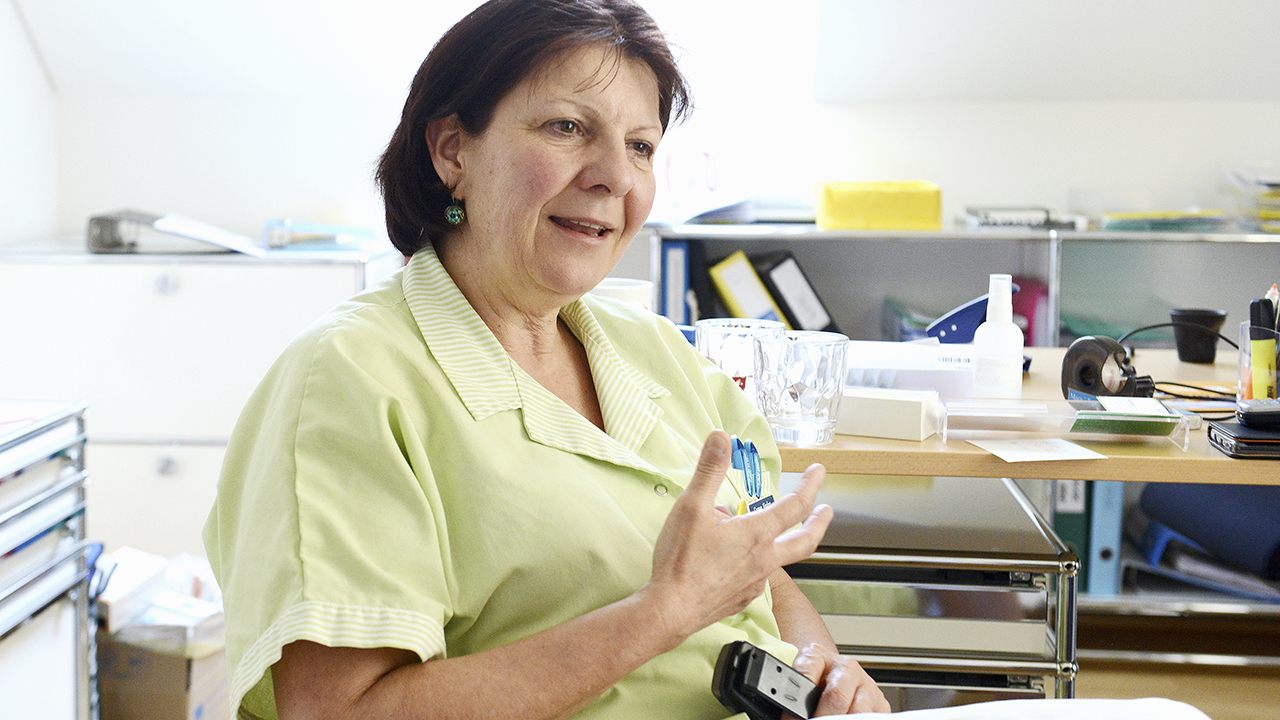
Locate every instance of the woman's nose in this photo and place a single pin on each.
(610, 169)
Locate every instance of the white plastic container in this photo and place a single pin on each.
(997, 345)
(1109, 418)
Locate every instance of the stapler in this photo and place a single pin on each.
(959, 325)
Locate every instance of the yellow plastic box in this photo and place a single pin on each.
(906, 205)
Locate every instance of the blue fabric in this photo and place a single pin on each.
(1237, 523)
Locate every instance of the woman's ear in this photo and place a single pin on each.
(444, 139)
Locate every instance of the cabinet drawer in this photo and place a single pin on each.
(30, 519)
(42, 584)
(19, 488)
(41, 666)
(151, 497)
(26, 448)
(157, 349)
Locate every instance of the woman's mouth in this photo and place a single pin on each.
(581, 226)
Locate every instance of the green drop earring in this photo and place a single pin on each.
(454, 214)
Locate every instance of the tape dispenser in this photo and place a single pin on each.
(1095, 366)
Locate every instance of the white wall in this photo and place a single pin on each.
(28, 186)
(238, 153)
(951, 114)
(1055, 154)
(231, 161)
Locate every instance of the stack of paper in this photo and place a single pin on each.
(1256, 194)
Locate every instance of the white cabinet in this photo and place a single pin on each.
(38, 666)
(44, 609)
(152, 496)
(164, 349)
(1125, 279)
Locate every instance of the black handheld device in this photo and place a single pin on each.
(1259, 413)
(750, 680)
(1241, 441)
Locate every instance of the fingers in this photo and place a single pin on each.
(846, 687)
(798, 544)
(798, 504)
(710, 472)
(780, 519)
(811, 661)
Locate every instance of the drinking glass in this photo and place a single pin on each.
(799, 383)
(726, 342)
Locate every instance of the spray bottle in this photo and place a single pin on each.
(997, 345)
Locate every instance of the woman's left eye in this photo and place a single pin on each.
(642, 148)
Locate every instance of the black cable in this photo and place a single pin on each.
(1205, 393)
(1197, 326)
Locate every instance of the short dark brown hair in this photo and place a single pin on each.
(472, 68)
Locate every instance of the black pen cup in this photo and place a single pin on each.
(1195, 333)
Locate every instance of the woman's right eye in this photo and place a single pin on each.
(567, 127)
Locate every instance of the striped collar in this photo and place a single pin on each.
(489, 382)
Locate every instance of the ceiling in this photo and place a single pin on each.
(318, 48)
(1081, 50)
(868, 50)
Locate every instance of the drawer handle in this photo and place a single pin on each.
(166, 283)
(167, 466)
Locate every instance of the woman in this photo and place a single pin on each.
(473, 492)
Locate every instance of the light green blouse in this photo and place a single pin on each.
(396, 480)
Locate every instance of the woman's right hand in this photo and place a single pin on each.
(708, 565)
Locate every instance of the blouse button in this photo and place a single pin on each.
(660, 490)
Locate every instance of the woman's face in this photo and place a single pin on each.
(562, 179)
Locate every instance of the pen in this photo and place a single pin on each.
(740, 462)
(757, 475)
(1274, 296)
(1262, 347)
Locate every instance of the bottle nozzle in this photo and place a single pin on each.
(1000, 298)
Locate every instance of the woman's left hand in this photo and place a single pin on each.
(846, 687)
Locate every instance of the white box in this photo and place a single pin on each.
(889, 413)
(135, 579)
(925, 365)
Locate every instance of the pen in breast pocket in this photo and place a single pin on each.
(742, 452)
(746, 459)
(755, 473)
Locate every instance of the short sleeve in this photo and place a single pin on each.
(326, 524)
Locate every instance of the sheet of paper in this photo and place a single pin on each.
(1030, 450)
(196, 230)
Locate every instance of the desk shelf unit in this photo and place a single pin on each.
(1091, 273)
(947, 590)
(1220, 631)
(45, 638)
(1179, 629)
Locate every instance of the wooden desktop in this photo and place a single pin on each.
(1143, 461)
(1211, 652)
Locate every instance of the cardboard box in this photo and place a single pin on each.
(913, 205)
(138, 683)
(893, 414)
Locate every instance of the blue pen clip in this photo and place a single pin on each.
(755, 473)
(746, 458)
(740, 458)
